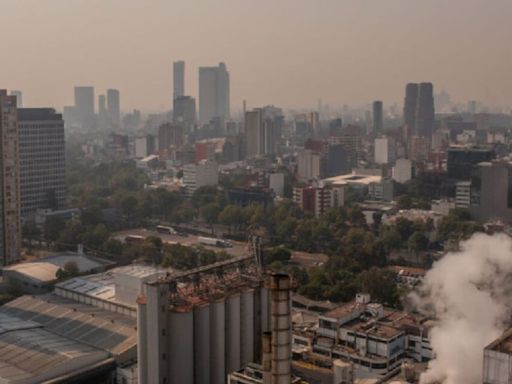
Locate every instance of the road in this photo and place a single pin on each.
(238, 249)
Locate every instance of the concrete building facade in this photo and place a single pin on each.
(42, 160)
(10, 207)
(200, 174)
(83, 112)
(178, 79)
(114, 107)
(214, 93)
(309, 165)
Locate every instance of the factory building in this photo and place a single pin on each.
(498, 360)
(51, 339)
(374, 339)
(198, 326)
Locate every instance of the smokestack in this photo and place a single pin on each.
(281, 329)
(266, 360)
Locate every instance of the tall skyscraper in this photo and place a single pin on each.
(170, 135)
(179, 79)
(419, 110)
(213, 93)
(114, 107)
(184, 110)
(378, 117)
(425, 111)
(19, 98)
(42, 160)
(262, 132)
(10, 225)
(102, 108)
(411, 98)
(84, 106)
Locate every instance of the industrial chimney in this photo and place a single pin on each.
(281, 329)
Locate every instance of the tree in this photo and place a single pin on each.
(183, 214)
(95, 237)
(280, 254)
(71, 268)
(210, 213)
(52, 228)
(391, 238)
(68, 270)
(231, 215)
(152, 249)
(405, 202)
(380, 283)
(31, 232)
(71, 235)
(129, 205)
(405, 228)
(418, 242)
(114, 248)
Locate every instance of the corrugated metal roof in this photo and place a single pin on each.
(99, 328)
(35, 354)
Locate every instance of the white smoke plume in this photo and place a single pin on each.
(469, 293)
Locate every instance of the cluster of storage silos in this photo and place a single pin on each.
(201, 342)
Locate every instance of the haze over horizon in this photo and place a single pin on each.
(288, 53)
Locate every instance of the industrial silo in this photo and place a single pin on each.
(247, 326)
(218, 342)
(233, 333)
(181, 345)
(202, 344)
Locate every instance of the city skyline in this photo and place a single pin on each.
(356, 51)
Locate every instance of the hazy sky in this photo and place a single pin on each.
(282, 52)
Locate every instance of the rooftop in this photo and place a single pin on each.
(345, 310)
(503, 343)
(45, 269)
(40, 271)
(98, 328)
(353, 179)
(35, 355)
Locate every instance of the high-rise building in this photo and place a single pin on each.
(19, 98)
(253, 132)
(84, 107)
(461, 160)
(336, 127)
(10, 223)
(102, 109)
(309, 165)
(200, 174)
(170, 135)
(339, 160)
(378, 117)
(384, 150)
(42, 160)
(113, 107)
(213, 93)
(184, 110)
(491, 191)
(411, 98)
(419, 110)
(179, 79)
(144, 146)
(319, 199)
(262, 132)
(425, 110)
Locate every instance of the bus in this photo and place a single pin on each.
(134, 239)
(165, 229)
(215, 242)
